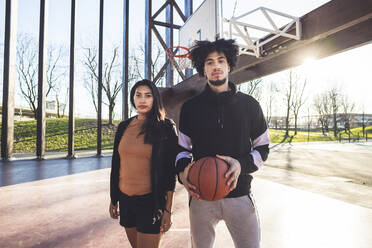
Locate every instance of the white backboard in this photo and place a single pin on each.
(203, 24)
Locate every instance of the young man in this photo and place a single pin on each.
(230, 125)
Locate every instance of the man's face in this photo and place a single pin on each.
(216, 67)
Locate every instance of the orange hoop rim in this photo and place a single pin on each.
(186, 55)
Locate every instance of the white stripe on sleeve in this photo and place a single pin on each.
(257, 159)
(184, 141)
(263, 139)
(181, 155)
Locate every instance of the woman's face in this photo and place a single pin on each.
(143, 99)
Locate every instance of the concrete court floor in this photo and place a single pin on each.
(72, 211)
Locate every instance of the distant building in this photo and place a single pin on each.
(25, 113)
(51, 105)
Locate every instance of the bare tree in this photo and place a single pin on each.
(158, 55)
(65, 102)
(27, 57)
(297, 100)
(363, 121)
(271, 98)
(319, 109)
(334, 99)
(252, 88)
(347, 108)
(323, 108)
(56, 77)
(27, 69)
(288, 95)
(111, 81)
(91, 76)
(309, 122)
(61, 98)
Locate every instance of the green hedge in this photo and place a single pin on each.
(57, 135)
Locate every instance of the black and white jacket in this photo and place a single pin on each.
(229, 123)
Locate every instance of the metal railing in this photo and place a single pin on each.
(253, 45)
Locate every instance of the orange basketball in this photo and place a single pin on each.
(208, 175)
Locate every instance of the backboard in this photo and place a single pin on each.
(203, 24)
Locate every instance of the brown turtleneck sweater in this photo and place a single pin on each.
(135, 160)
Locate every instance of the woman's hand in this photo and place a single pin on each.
(166, 222)
(114, 211)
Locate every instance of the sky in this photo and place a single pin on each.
(349, 70)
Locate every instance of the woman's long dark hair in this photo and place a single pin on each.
(152, 125)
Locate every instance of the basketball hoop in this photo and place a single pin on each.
(181, 55)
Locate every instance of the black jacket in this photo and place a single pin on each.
(163, 156)
(230, 123)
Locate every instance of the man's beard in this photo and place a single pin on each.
(218, 82)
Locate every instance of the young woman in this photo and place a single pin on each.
(142, 170)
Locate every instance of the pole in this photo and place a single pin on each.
(71, 118)
(100, 59)
(125, 84)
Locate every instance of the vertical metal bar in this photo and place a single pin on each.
(125, 83)
(10, 41)
(71, 117)
(220, 19)
(41, 122)
(188, 8)
(148, 43)
(188, 13)
(169, 41)
(100, 59)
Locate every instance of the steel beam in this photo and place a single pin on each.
(188, 8)
(343, 26)
(349, 38)
(169, 41)
(41, 122)
(170, 6)
(163, 24)
(161, 9)
(161, 71)
(100, 79)
(148, 41)
(178, 10)
(124, 88)
(9, 76)
(188, 13)
(71, 117)
(172, 60)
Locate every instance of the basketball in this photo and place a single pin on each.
(208, 175)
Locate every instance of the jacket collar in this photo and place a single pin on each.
(220, 96)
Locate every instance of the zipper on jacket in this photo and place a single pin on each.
(220, 124)
(219, 113)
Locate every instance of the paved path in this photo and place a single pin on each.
(303, 201)
(337, 170)
(72, 211)
(349, 162)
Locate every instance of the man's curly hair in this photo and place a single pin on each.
(201, 49)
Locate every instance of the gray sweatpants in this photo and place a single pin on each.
(239, 215)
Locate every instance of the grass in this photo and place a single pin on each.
(57, 135)
(278, 136)
(86, 135)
